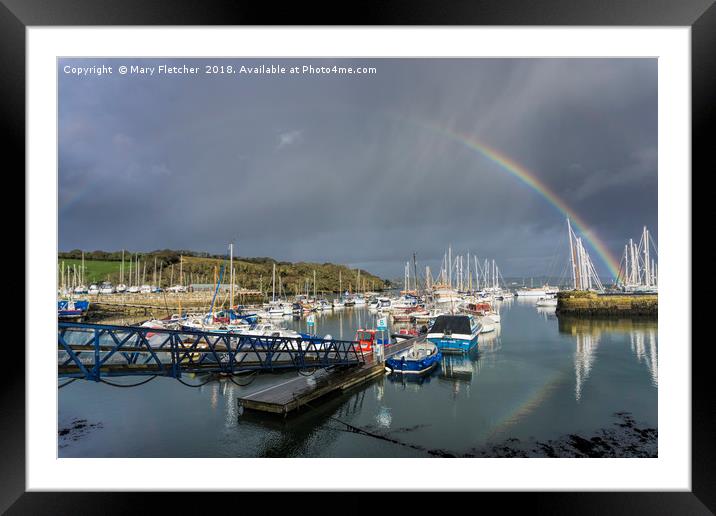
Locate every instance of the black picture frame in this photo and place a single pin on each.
(700, 15)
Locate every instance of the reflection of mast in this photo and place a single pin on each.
(584, 357)
(640, 341)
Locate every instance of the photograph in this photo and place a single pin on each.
(380, 257)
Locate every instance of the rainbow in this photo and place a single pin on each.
(530, 179)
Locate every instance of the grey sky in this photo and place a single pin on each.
(347, 168)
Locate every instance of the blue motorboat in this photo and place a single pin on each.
(70, 309)
(454, 333)
(418, 359)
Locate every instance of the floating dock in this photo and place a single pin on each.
(292, 394)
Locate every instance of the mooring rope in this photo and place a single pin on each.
(132, 385)
(199, 385)
(363, 431)
(252, 377)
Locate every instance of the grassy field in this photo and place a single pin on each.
(293, 276)
(95, 270)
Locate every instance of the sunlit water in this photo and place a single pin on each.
(537, 377)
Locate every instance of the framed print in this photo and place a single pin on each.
(416, 251)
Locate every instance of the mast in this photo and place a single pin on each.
(450, 265)
(273, 284)
(647, 263)
(231, 274)
(415, 272)
(181, 276)
(572, 255)
(314, 282)
(121, 270)
(477, 274)
(469, 274)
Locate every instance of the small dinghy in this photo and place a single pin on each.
(420, 358)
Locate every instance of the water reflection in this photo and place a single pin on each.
(458, 370)
(548, 313)
(584, 356)
(313, 427)
(644, 346)
(532, 376)
(587, 332)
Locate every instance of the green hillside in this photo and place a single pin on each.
(251, 273)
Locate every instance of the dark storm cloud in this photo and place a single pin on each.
(343, 168)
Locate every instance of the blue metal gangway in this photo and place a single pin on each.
(92, 351)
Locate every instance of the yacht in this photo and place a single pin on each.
(547, 301)
(454, 333)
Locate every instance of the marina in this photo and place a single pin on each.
(288, 355)
(383, 264)
(536, 376)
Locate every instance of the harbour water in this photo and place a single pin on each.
(537, 379)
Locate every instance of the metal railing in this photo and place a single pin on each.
(93, 351)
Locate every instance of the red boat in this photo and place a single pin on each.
(365, 339)
(478, 308)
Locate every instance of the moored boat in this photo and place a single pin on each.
(71, 309)
(420, 358)
(547, 301)
(454, 333)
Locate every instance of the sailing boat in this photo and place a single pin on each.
(82, 287)
(276, 309)
(121, 287)
(338, 302)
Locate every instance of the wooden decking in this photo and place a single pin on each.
(292, 394)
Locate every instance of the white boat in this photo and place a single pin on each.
(205, 323)
(426, 316)
(359, 300)
(443, 295)
(322, 305)
(80, 289)
(383, 304)
(93, 289)
(547, 301)
(106, 288)
(494, 315)
(145, 289)
(338, 303)
(487, 325)
(275, 312)
(133, 289)
(121, 288)
(404, 304)
(531, 292)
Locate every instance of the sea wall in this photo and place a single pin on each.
(575, 302)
